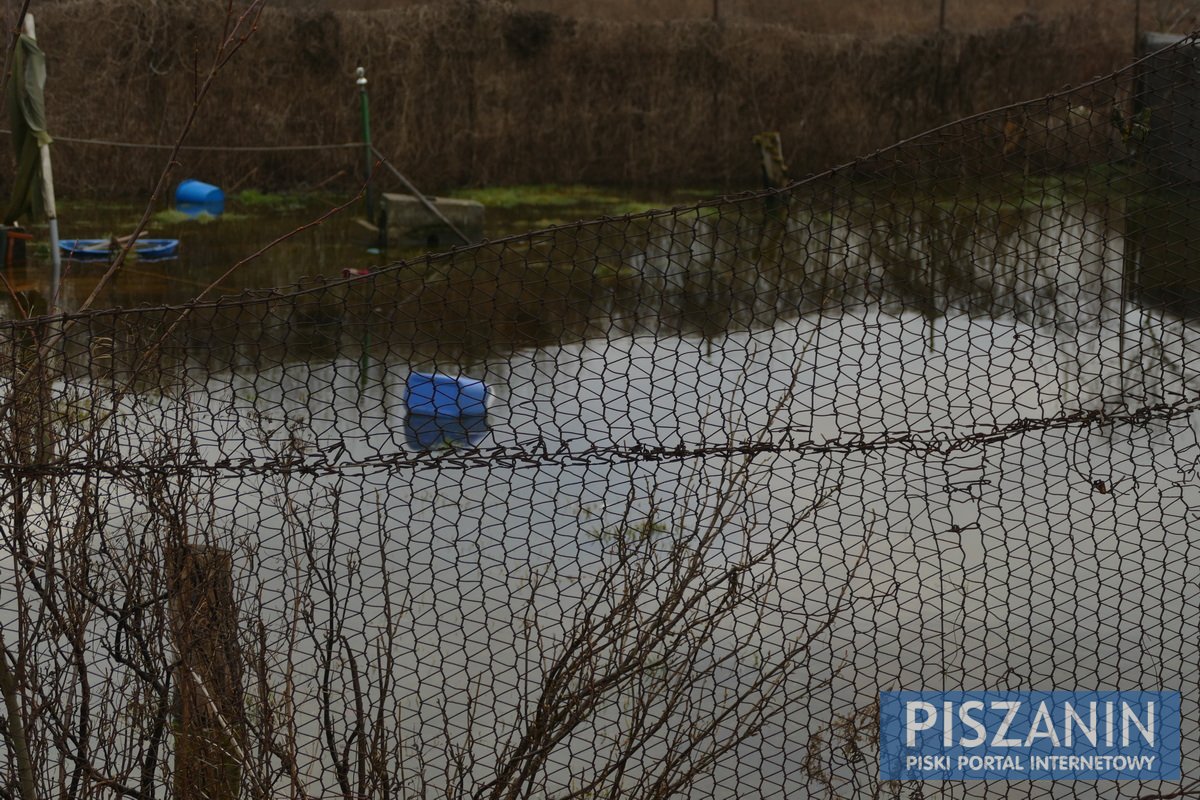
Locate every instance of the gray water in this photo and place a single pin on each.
(1059, 556)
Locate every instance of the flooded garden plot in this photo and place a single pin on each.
(925, 421)
(211, 245)
(846, 445)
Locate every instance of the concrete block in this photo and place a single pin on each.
(408, 223)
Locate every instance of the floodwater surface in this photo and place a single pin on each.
(907, 433)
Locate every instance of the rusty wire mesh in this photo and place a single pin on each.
(924, 421)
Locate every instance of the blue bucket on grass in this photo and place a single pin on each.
(193, 194)
(433, 395)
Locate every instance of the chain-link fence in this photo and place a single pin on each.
(640, 507)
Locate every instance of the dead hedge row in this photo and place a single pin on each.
(477, 92)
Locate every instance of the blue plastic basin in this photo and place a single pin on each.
(198, 193)
(434, 395)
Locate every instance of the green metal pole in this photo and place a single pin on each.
(1137, 29)
(366, 127)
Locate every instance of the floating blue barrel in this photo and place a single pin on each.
(424, 433)
(198, 194)
(443, 396)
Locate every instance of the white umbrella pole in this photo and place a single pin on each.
(50, 209)
(52, 216)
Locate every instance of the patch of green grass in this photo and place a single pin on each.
(545, 195)
(588, 201)
(172, 216)
(268, 201)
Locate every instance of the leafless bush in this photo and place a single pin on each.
(144, 628)
(481, 92)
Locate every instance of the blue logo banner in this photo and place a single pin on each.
(1020, 736)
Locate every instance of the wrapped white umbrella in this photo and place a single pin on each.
(33, 186)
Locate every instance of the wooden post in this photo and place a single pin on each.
(775, 206)
(774, 170)
(210, 728)
(774, 173)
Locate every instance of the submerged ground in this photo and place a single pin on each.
(253, 220)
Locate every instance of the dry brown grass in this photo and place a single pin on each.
(858, 17)
(476, 92)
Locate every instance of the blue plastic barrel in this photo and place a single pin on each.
(198, 193)
(434, 395)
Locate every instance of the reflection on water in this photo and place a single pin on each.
(280, 230)
(1163, 229)
(1055, 280)
(207, 249)
(997, 565)
(427, 433)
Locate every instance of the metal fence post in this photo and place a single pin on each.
(361, 82)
